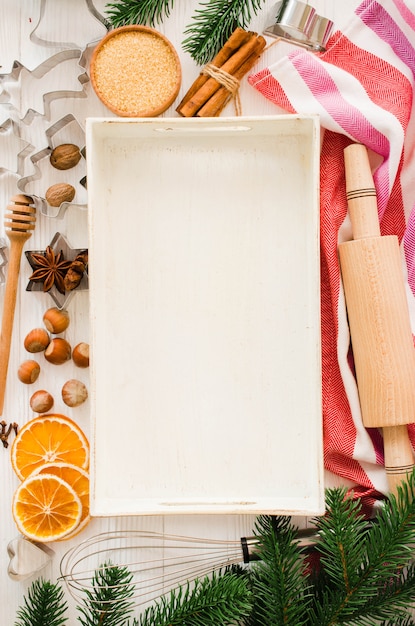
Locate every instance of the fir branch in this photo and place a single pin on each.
(342, 535)
(222, 599)
(43, 604)
(213, 24)
(367, 566)
(107, 602)
(394, 599)
(391, 603)
(278, 578)
(147, 12)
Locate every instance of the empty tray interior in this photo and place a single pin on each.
(204, 289)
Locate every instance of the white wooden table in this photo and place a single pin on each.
(32, 33)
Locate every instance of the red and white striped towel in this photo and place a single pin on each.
(363, 89)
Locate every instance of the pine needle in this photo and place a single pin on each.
(213, 24)
(278, 578)
(367, 567)
(145, 12)
(219, 600)
(107, 602)
(43, 604)
(407, 621)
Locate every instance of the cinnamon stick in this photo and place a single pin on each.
(221, 97)
(207, 90)
(235, 41)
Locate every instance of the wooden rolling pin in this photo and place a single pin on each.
(379, 320)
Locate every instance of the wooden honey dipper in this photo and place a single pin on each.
(19, 223)
(379, 320)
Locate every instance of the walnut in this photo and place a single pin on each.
(65, 156)
(59, 193)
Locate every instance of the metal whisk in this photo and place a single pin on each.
(158, 562)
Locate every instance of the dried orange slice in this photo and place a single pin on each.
(45, 508)
(78, 479)
(51, 438)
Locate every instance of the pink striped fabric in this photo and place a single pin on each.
(362, 87)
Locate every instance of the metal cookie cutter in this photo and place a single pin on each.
(299, 23)
(13, 149)
(58, 244)
(3, 259)
(26, 558)
(59, 69)
(65, 130)
(82, 20)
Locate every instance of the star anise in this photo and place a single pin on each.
(50, 269)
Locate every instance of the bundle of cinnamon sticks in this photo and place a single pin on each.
(219, 81)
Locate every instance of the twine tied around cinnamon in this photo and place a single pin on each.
(231, 83)
(220, 79)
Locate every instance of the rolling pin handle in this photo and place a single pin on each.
(361, 193)
(399, 456)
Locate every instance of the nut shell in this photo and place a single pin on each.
(59, 193)
(58, 351)
(65, 156)
(80, 354)
(41, 401)
(28, 372)
(36, 340)
(74, 393)
(56, 320)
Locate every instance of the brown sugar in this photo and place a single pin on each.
(136, 72)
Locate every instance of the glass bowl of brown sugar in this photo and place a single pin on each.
(135, 71)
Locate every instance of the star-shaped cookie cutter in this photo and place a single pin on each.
(58, 243)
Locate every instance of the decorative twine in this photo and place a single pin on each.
(226, 80)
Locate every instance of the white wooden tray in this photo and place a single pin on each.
(204, 288)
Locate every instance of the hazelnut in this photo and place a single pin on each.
(28, 372)
(58, 351)
(36, 340)
(41, 401)
(56, 320)
(74, 392)
(80, 354)
(65, 156)
(59, 193)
